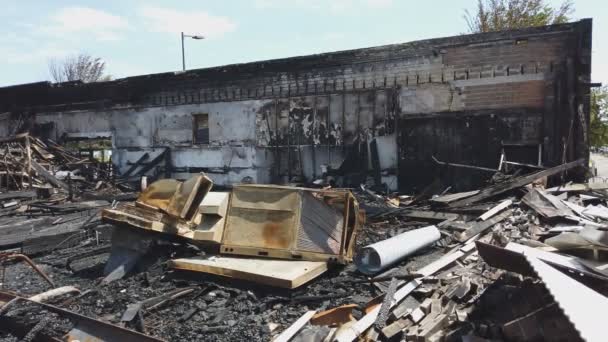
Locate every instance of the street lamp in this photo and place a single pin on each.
(183, 54)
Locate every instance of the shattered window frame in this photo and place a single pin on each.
(200, 128)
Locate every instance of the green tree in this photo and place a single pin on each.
(598, 122)
(496, 15)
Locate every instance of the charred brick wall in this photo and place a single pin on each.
(457, 98)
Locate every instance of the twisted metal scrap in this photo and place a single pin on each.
(10, 256)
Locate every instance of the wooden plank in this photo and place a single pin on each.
(18, 195)
(444, 199)
(480, 227)
(290, 332)
(502, 205)
(515, 183)
(396, 327)
(352, 332)
(280, 273)
(431, 215)
(42, 172)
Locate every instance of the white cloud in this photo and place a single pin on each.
(84, 20)
(40, 55)
(190, 22)
(334, 6)
(379, 3)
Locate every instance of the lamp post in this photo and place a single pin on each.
(183, 53)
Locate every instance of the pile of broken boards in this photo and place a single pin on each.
(476, 266)
(521, 263)
(50, 197)
(27, 162)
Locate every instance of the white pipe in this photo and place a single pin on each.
(378, 256)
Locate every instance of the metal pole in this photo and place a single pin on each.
(183, 55)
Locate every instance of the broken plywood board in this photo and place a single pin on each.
(546, 205)
(514, 183)
(495, 210)
(445, 199)
(280, 273)
(290, 332)
(482, 226)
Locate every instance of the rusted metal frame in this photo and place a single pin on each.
(4, 257)
(94, 329)
(345, 213)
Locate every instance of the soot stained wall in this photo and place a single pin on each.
(457, 98)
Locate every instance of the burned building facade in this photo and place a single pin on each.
(383, 112)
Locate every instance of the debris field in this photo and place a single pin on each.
(88, 255)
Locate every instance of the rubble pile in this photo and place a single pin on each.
(30, 163)
(514, 261)
(50, 196)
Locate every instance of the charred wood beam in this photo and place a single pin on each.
(515, 183)
(135, 165)
(42, 172)
(18, 195)
(152, 163)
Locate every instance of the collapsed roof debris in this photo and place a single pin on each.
(275, 262)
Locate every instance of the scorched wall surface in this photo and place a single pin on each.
(460, 99)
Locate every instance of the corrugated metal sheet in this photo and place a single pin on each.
(583, 306)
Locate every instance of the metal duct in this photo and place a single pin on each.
(378, 256)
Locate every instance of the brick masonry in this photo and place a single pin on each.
(306, 111)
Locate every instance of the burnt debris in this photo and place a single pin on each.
(185, 262)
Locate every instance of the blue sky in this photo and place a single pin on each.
(140, 37)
